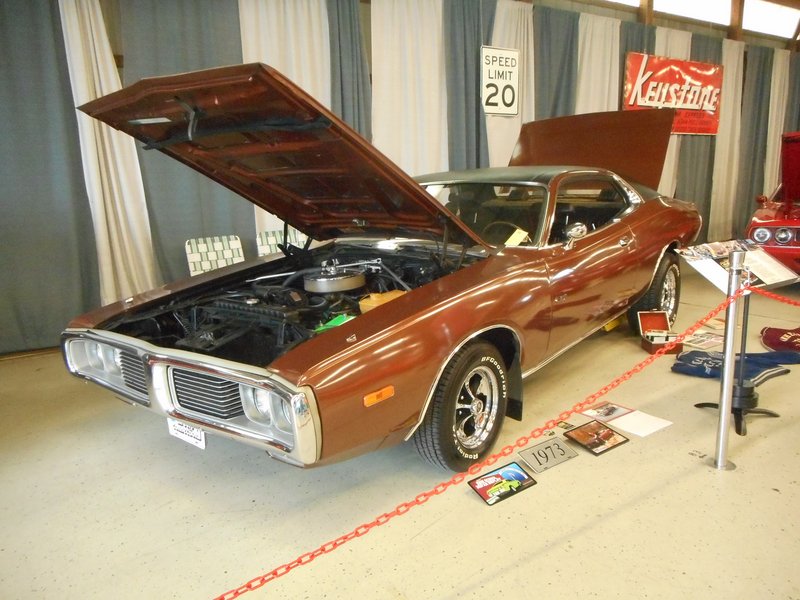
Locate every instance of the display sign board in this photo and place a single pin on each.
(501, 483)
(499, 80)
(693, 88)
(712, 261)
(547, 454)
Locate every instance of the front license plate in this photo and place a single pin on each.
(547, 454)
(188, 433)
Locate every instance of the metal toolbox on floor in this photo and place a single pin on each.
(656, 332)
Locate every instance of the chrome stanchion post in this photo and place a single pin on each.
(728, 364)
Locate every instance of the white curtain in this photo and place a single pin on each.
(291, 36)
(110, 165)
(598, 87)
(513, 28)
(673, 44)
(778, 93)
(726, 153)
(409, 94)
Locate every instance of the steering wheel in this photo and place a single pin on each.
(504, 225)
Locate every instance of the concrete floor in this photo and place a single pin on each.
(98, 501)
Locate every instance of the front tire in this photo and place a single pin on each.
(467, 409)
(663, 294)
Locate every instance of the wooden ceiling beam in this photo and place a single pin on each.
(789, 3)
(646, 12)
(737, 15)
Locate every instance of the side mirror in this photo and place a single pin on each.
(576, 231)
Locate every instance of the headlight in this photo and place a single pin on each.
(267, 407)
(783, 235)
(107, 357)
(259, 401)
(95, 359)
(762, 235)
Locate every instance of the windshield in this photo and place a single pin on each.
(500, 213)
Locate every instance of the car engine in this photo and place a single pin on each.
(287, 301)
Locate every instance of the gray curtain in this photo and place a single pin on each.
(634, 37)
(468, 25)
(696, 162)
(351, 93)
(556, 61)
(48, 264)
(792, 121)
(163, 38)
(753, 144)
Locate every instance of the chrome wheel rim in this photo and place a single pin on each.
(669, 294)
(476, 407)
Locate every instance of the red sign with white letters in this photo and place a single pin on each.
(693, 88)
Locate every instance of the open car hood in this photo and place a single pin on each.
(252, 130)
(631, 143)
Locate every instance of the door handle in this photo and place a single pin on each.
(624, 241)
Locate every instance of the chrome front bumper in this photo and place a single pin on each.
(202, 391)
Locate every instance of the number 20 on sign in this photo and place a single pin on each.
(499, 80)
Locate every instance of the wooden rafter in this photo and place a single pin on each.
(737, 15)
(789, 3)
(646, 12)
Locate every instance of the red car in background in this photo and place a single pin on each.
(776, 224)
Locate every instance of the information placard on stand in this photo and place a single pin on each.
(730, 266)
(712, 261)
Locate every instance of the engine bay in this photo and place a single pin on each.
(287, 301)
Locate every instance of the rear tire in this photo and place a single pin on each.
(467, 409)
(663, 294)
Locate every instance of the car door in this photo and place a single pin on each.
(591, 279)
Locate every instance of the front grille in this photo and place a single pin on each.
(133, 371)
(207, 394)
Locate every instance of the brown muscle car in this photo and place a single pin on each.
(402, 317)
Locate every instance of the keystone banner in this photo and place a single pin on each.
(693, 88)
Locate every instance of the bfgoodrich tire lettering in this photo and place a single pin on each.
(664, 292)
(467, 409)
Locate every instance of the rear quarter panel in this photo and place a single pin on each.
(659, 224)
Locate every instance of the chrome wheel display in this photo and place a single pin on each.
(467, 408)
(476, 407)
(663, 294)
(669, 293)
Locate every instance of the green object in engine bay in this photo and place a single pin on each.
(334, 322)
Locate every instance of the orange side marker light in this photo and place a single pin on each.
(379, 396)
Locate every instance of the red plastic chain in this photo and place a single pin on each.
(774, 296)
(459, 478)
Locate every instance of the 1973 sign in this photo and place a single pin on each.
(499, 80)
(547, 454)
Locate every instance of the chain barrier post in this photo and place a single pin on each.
(728, 364)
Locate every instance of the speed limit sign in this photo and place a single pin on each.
(499, 80)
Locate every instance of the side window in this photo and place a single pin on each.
(515, 215)
(501, 214)
(593, 201)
